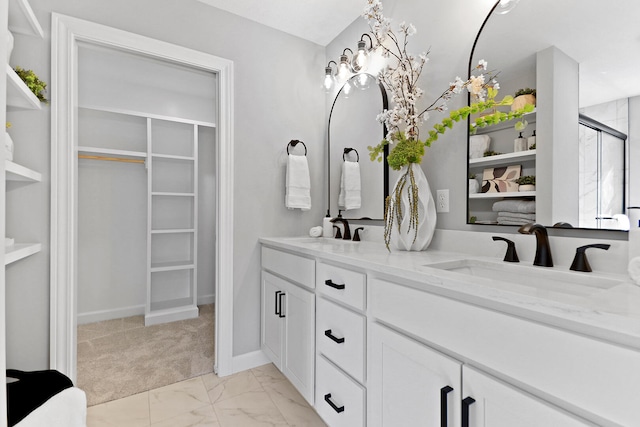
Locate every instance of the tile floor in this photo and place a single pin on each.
(258, 397)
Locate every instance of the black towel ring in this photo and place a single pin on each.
(295, 142)
(348, 150)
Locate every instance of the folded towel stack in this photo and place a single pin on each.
(349, 196)
(298, 183)
(515, 212)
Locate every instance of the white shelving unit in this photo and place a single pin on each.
(22, 20)
(512, 194)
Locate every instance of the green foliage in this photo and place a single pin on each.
(527, 179)
(532, 147)
(35, 85)
(472, 176)
(405, 151)
(498, 117)
(473, 219)
(490, 153)
(525, 91)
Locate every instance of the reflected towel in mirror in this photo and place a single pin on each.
(350, 191)
(298, 183)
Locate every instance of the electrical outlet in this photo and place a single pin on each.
(442, 201)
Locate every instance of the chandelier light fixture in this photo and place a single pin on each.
(350, 64)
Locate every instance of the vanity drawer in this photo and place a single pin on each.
(293, 267)
(340, 337)
(346, 286)
(340, 401)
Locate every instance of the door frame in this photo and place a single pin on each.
(66, 32)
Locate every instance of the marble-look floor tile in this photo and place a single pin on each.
(295, 409)
(220, 389)
(132, 411)
(267, 374)
(250, 409)
(176, 399)
(201, 417)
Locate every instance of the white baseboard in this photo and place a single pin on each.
(206, 299)
(99, 316)
(249, 361)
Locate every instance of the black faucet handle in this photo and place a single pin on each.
(356, 234)
(338, 232)
(580, 261)
(511, 255)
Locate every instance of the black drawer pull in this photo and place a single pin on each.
(327, 398)
(328, 282)
(444, 391)
(276, 301)
(328, 333)
(280, 304)
(466, 402)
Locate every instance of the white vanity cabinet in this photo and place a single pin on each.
(288, 317)
(410, 384)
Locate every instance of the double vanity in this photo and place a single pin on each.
(377, 338)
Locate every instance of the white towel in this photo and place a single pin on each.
(516, 215)
(298, 183)
(521, 206)
(350, 194)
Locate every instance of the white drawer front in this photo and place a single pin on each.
(335, 388)
(341, 284)
(340, 337)
(296, 268)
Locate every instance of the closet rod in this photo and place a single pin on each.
(111, 159)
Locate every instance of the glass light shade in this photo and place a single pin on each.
(363, 81)
(360, 59)
(329, 80)
(344, 69)
(347, 89)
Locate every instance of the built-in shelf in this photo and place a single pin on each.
(529, 117)
(16, 172)
(503, 159)
(171, 266)
(147, 115)
(22, 20)
(173, 157)
(173, 231)
(511, 194)
(110, 152)
(172, 194)
(19, 251)
(18, 94)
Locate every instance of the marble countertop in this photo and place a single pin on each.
(610, 313)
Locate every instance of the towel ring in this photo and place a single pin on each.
(295, 142)
(348, 150)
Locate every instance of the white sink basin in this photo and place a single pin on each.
(541, 282)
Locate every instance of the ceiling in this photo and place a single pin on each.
(319, 21)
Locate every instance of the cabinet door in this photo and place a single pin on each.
(298, 309)
(272, 323)
(410, 383)
(488, 402)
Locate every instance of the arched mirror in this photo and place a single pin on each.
(351, 129)
(582, 58)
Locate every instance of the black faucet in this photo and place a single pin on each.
(580, 262)
(511, 255)
(543, 250)
(347, 232)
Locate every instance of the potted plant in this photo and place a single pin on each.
(33, 82)
(410, 206)
(526, 183)
(474, 185)
(522, 97)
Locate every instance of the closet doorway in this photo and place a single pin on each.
(141, 199)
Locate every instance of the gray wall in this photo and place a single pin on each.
(277, 81)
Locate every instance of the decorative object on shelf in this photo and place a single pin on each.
(474, 185)
(501, 180)
(478, 145)
(526, 183)
(8, 143)
(33, 82)
(403, 123)
(531, 141)
(520, 143)
(490, 153)
(523, 97)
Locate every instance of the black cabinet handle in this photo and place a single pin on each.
(328, 282)
(466, 402)
(275, 299)
(333, 337)
(280, 304)
(444, 391)
(327, 398)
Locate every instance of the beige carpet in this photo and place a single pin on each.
(122, 357)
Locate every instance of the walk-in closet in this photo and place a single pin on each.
(146, 221)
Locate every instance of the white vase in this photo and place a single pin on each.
(402, 235)
(474, 186)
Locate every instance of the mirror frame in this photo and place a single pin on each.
(385, 153)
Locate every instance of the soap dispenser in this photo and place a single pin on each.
(520, 143)
(327, 226)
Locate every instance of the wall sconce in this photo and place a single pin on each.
(506, 6)
(350, 63)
